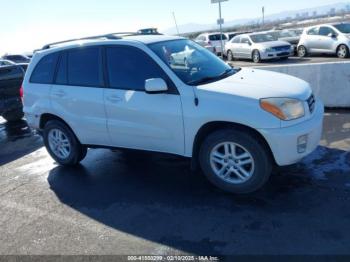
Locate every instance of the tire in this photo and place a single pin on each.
(57, 132)
(14, 115)
(230, 56)
(302, 51)
(343, 51)
(260, 168)
(256, 56)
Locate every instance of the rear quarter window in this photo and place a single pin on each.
(45, 70)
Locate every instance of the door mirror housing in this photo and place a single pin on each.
(155, 86)
(332, 35)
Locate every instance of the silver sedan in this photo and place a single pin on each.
(257, 47)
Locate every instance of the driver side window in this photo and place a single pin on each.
(325, 31)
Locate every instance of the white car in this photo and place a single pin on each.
(212, 40)
(257, 47)
(236, 124)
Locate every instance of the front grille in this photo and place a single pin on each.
(311, 102)
(281, 48)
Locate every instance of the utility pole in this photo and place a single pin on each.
(177, 28)
(220, 22)
(263, 16)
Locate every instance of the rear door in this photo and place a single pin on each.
(245, 48)
(136, 119)
(312, 43)
(77, 94)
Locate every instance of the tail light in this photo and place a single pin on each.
(21, 93)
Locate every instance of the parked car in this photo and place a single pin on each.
(11, 78)
(326, 39)
(201, 41)
(4, 62)
(17, 58)
(291, 36)
(236, 123)
(258, 47)
(231, 35)
(212, 40)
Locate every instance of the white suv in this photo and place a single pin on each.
(128, 93)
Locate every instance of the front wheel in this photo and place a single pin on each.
(62, 144)
(230, 56)
(343, 51)
(302, 52)
(235, 161)
(256, 56)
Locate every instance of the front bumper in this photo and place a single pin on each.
(284, 141)
(273, 55)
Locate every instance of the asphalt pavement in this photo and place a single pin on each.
(136, 203)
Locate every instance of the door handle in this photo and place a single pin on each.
(114, 99)
(60, 93)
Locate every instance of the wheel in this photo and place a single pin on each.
(14, 115)
(230, 56)
(302, 52)
(62, 144)
(235, 161)
(256, 56)
(343, 51)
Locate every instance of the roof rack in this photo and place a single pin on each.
(111, 36)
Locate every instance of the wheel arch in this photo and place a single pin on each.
(45, 118)
(211, 127)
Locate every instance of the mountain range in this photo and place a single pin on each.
(320, 10)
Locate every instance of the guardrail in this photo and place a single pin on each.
(329, 81)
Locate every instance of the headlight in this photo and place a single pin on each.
(270, 49)
(284, 108)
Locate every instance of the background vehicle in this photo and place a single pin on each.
(326, 39)
(17, 58)
(231, 35)
(234, 123)
(258, 47)
(291, 36)
(6, 62)
(213, 40)
(11, 78)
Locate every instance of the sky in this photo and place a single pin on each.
(29, 24)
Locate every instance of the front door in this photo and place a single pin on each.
(136, 119)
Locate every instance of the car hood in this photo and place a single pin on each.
(257, 84)
(273, 44)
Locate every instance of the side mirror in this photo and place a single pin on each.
(155, 85)
(332, 35)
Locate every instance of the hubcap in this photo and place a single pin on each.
(232, 163)
(342, 51)
(301, 51)
(59, 143)
(230, 56)
(256, 57)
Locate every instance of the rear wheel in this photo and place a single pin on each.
(302, 52)
(256, 56)
(343, 51)
(62, 144)
(14, 115)
(235, 161)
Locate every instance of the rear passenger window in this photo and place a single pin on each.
(80, 67)
(129, 68)
(313, 31)
(45, 69)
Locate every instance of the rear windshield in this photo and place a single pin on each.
(344, 28)
(217, 37)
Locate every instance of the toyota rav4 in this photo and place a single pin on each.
(168, 94)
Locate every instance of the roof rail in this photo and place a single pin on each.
(111, 36)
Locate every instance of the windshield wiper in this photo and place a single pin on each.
(209, 79)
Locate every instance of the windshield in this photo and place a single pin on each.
(193, 64)
(261, 38)
(344, 28)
